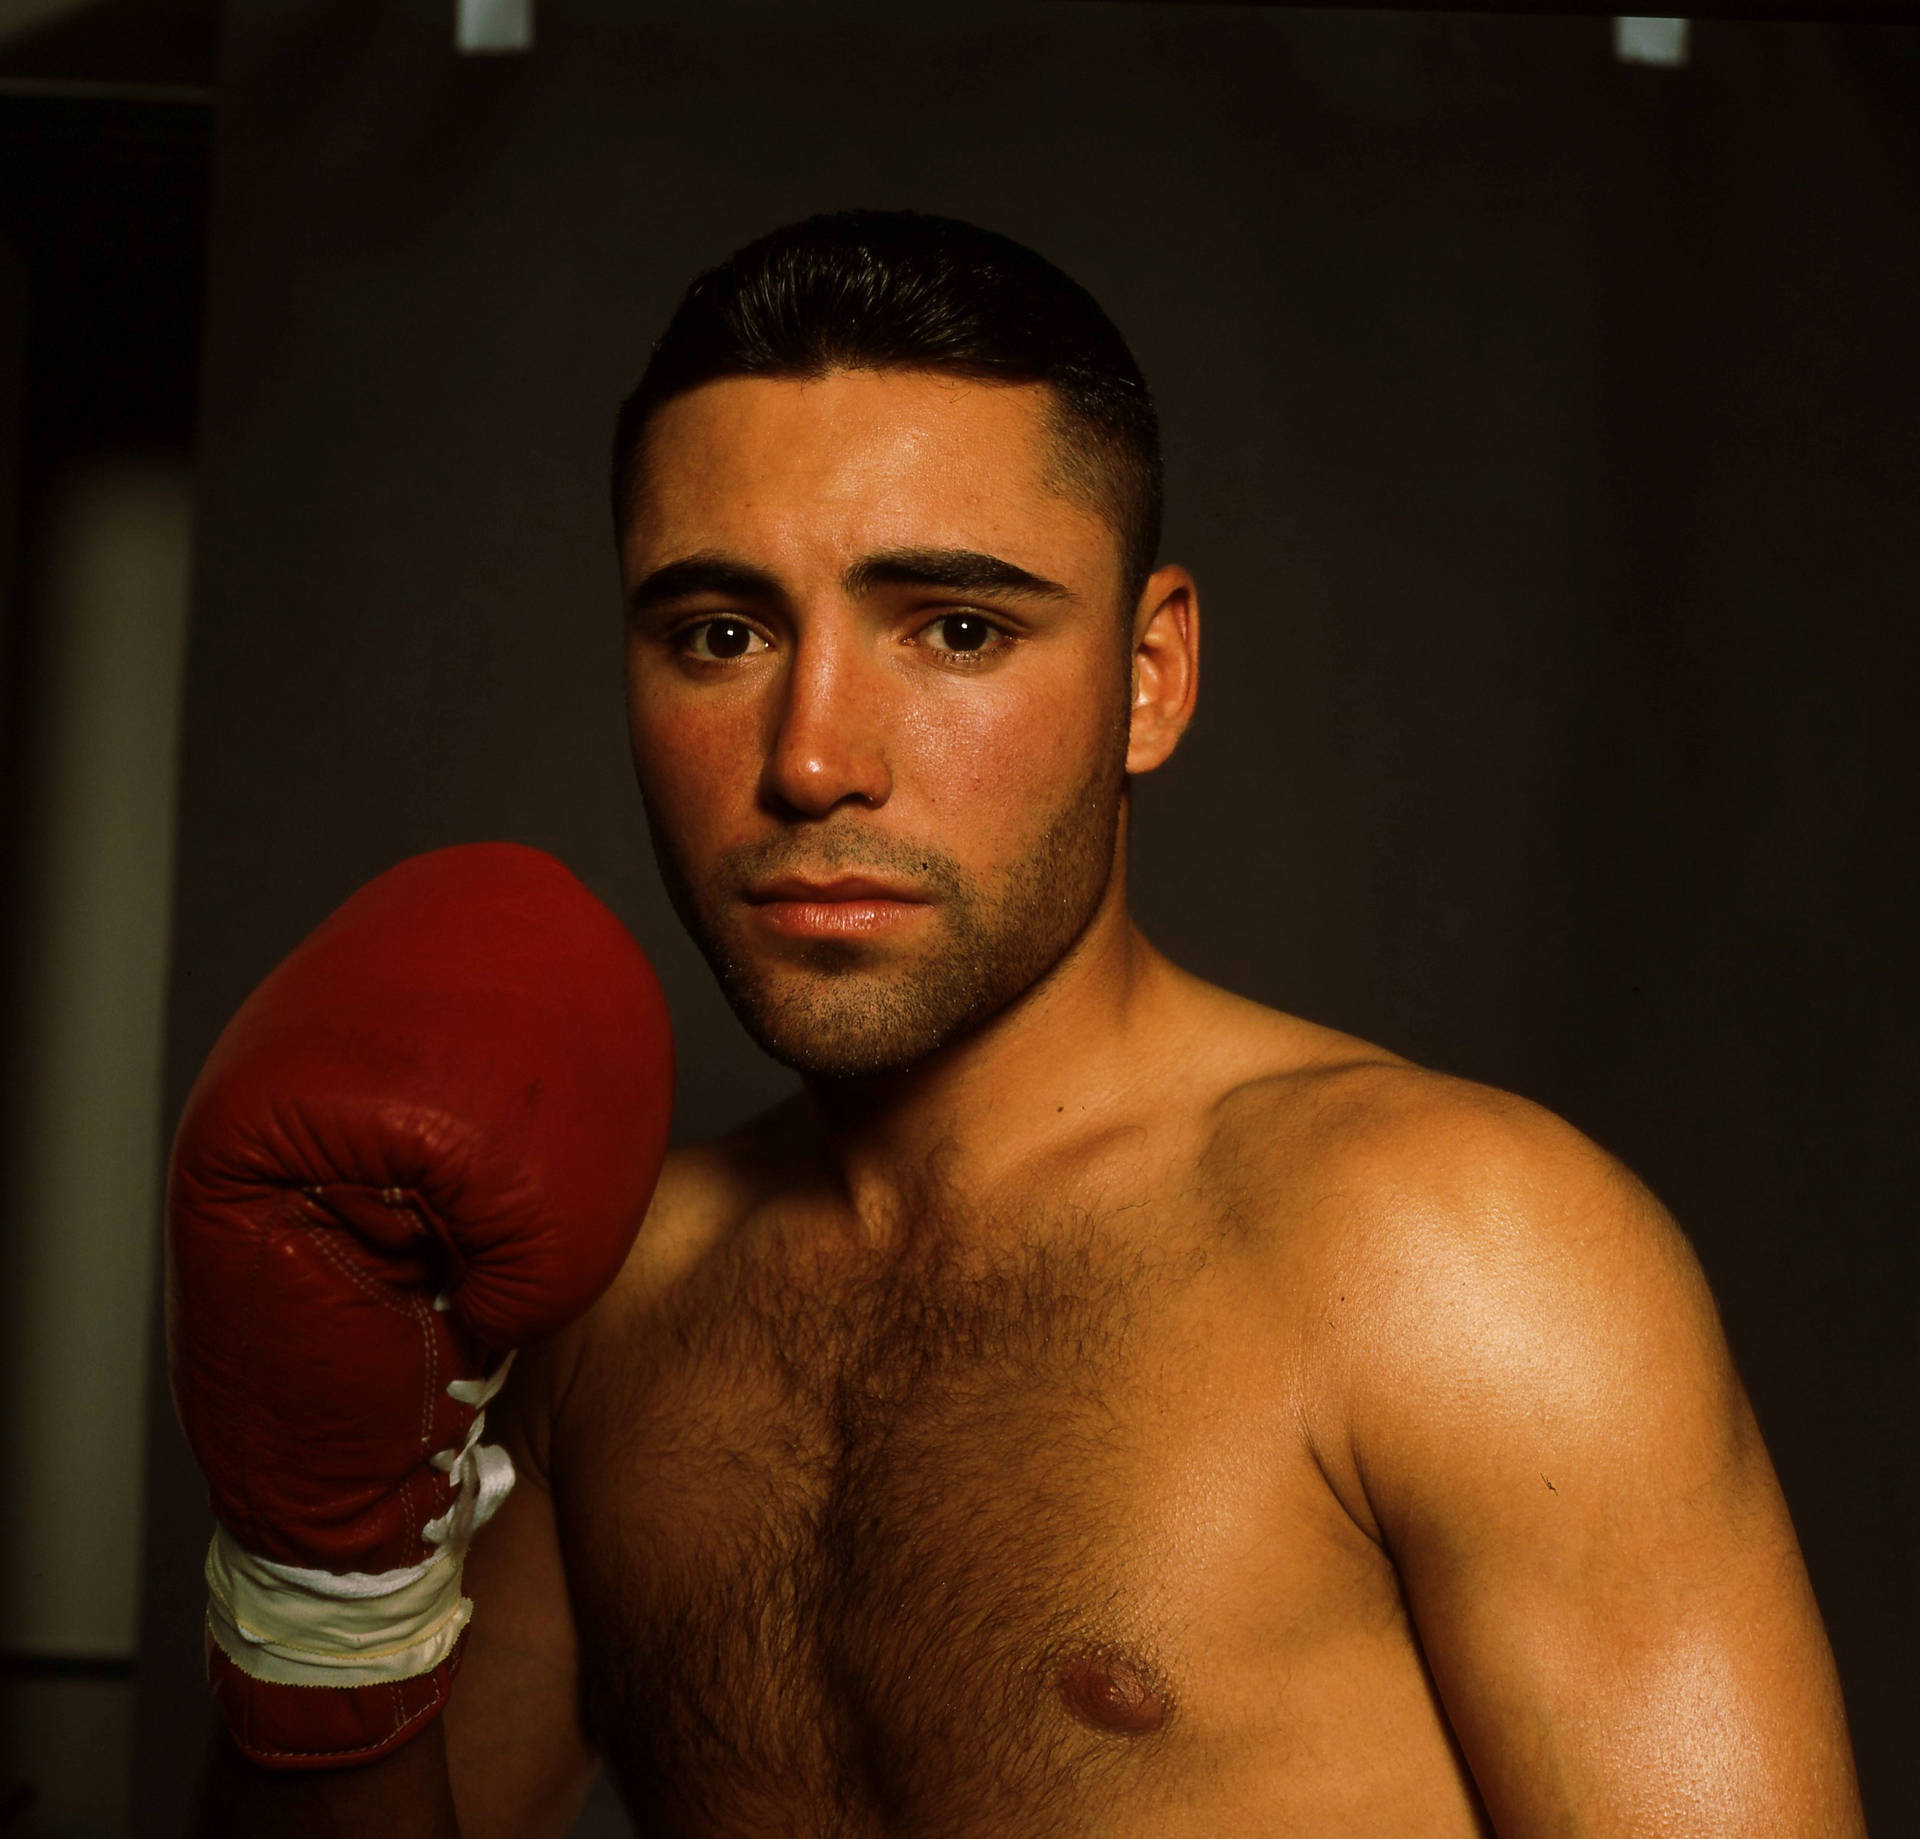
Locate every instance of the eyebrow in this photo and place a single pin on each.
(963, 571)
(706, 573)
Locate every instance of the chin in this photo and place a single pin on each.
(844, 1033)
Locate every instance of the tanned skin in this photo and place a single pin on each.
(1143, 1413)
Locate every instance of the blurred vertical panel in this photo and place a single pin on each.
(82, 1091)
(104, 154)
(85, 986)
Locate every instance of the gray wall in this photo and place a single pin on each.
(1540, 430)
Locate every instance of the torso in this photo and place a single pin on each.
(1007, 1526)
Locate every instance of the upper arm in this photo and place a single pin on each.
(520, 1762)
(1544, 1419)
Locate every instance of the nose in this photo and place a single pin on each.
(827, 749)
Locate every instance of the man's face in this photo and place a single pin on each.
(878, 685)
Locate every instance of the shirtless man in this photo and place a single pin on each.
(1095, 1404)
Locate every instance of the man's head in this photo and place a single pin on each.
(899, 290)
(895, 637)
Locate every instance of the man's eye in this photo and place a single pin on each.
(961, 632)
(721, 639)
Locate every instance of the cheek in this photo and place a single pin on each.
(697, 758)
(993, 759)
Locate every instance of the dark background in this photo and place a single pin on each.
(1541, 429)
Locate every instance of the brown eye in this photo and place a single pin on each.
(961, 632)
(721, 639)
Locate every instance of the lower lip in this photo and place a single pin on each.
(836, 919)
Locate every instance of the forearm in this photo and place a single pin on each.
(405, 1794)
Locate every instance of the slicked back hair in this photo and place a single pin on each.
(902, 290)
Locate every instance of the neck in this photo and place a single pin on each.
(973, 1113)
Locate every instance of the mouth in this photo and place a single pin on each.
(841, 906)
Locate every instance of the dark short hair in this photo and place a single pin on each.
(885, 290)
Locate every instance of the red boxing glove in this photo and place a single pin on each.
(429, 1136)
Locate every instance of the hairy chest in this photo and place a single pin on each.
(920, 1547)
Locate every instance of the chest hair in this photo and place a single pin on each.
(853, 1516)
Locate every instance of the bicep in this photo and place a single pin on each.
(520, 1761)
(1595, 1551)
(1637, 1649)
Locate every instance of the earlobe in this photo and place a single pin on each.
(1166, 667)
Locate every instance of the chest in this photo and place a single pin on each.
(909, 1539)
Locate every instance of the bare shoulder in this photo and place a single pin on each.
(1511, 1374)
(1462, 1210)
(1486, 1292)
(1451, 1257)
(1388, 1170)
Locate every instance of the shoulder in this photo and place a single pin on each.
(1391, 1169)
(1475, 1286)
(1344, 1148)
(1507, 1369)
(1471, 1216)
(1411, 1194)
(1447, 1198)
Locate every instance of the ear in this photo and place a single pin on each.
(1166, 666)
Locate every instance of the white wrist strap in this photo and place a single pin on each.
(295, 1627)
(279, 1623)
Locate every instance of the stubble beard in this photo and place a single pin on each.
(833, 1009)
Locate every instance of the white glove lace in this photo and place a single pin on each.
(296, 1627)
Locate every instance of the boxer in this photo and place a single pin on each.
(1093, 1404)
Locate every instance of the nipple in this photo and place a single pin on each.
(1112, 1693)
